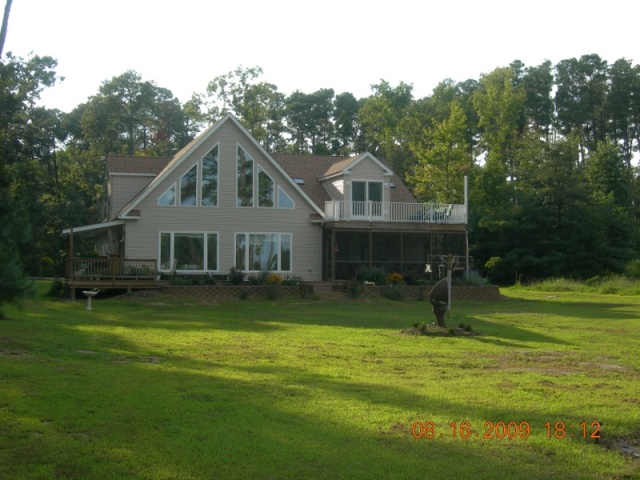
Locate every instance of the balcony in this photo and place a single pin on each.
(444, 213)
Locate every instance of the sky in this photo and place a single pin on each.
(301, 45)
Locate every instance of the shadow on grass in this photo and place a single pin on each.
(72, 414)
(138, 422)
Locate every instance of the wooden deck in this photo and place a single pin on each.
(106, 273)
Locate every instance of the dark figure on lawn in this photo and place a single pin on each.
(439, 298)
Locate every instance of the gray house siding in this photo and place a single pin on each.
(367, 170)
(226, 219)
(123, 188)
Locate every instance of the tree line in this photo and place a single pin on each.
(549, 150)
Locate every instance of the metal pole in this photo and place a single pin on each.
(466, 222)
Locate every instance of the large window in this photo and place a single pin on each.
(188, 187)
(210, 178)
(244, 177)
(266, 189)
(263, 251)
(184, 251)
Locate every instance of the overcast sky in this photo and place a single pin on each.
(344, 45)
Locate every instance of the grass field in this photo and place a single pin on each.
(143, 387)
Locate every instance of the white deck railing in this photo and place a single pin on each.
(338, 210)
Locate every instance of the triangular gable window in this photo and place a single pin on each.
(168, 198)
(284, 200)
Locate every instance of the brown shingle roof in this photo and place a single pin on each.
(312, 167)
(136, 165)
(309, 168)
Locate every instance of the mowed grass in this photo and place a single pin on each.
(144, 387)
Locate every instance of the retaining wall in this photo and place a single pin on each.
(230, 292)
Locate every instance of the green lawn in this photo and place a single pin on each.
(144, 387)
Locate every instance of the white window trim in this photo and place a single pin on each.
(366, 190)
(172, 234)
(246, 251)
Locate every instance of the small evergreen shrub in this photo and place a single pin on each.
(259, 278)
(57, 289)
(236, 277)
(373, 274)
(353, 288)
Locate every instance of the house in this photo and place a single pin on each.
(223, 201)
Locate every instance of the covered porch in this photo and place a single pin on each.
(401, 248)
(106, 270)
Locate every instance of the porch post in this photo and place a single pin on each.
(333, 255)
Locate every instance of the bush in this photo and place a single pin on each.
(373, 274)
(474, 278)
(392, 293)
(394, 278)
(235, 277)
(259, 278)
(353, 288)
(294, 280)
(58, 289)
(182, 280)
(632, 270)
(274, 279)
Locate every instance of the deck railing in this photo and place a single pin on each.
(111, 269)
(338, 210)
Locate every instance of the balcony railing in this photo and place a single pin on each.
(338, 210)
(113, 269)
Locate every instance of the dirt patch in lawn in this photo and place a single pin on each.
(433, 330)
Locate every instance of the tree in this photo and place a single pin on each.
(582, 89)
(623, 106)
(21, 82)
(539, 109)
(345, 114)
(384, 131)
(443, 159)
(500, 106)
(258, 105)
(5, 25)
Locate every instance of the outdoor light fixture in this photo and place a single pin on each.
(427, 268)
